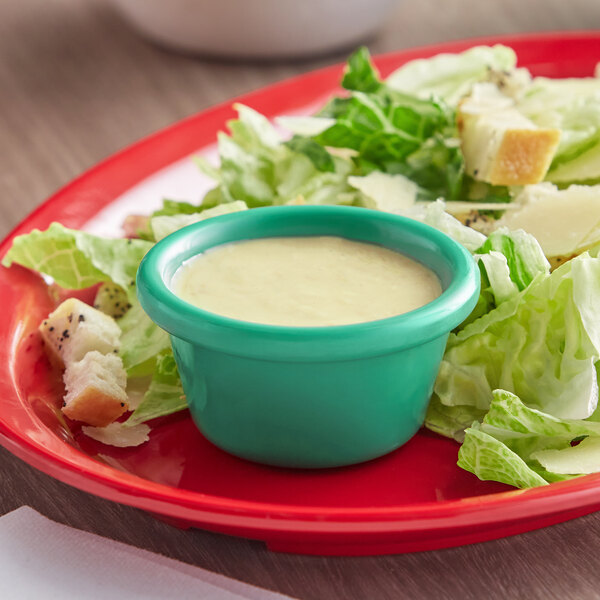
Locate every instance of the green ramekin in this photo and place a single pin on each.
(309, 396)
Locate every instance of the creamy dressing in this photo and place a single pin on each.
(305, 281)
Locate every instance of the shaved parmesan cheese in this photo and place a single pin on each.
(564, 222)
(119, 435)
(389, 193)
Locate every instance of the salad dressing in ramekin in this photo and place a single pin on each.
(305, 281)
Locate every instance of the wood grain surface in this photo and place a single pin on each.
(76, 84)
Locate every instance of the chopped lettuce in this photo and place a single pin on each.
(542, 345)
(394, 132)
(259, 168)
(508, 262)
(450, 76)
(491, 460)
(163, 225)
(525, 447)
(176, 207)
(141, 341)
(76, 260)
(165, 394)
(451, 421)
(580, 459)
(524, 256)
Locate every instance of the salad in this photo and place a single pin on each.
(506, 164)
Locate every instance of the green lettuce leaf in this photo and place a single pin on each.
(517, 445)
(177, 207)
(581, 459)
(76, 260)
(450, 76)
(318, 156)
(359, 73)
(451, 421)
(524, 256)
(164, 225)
(393, 132)
(141, 341)
(164, 396)
(491, 460)
(399, 134)
(508, 262)
(259, 168)
(542, 345)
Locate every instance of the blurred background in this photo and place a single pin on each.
(77, 81)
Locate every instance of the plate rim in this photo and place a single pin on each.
(261, 516)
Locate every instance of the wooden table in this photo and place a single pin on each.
(76, 84)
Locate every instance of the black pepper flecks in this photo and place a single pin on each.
(122, 403)
(81, 318)
(51, 328)
(70, 318)
(65, 333)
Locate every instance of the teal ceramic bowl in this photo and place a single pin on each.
(309, 396)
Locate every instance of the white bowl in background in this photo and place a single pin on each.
(256, 28)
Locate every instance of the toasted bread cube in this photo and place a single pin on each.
(75, 328)
(500, 145)
(95, 389)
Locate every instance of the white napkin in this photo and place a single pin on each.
(43, 559)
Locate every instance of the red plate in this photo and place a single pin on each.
(413, 499)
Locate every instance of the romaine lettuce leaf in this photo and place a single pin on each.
(517, 445)
(76, 260)
(491, 460)
(451, 421)
(450, 76)
(141, 341)
(542, 345)
(524, 256)
(390, 131)
(435, 215)
(360, 73)
(259, 168)
(399, 135)
(165, 394)
(177, 207)
(580, 459)
(163, 225)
